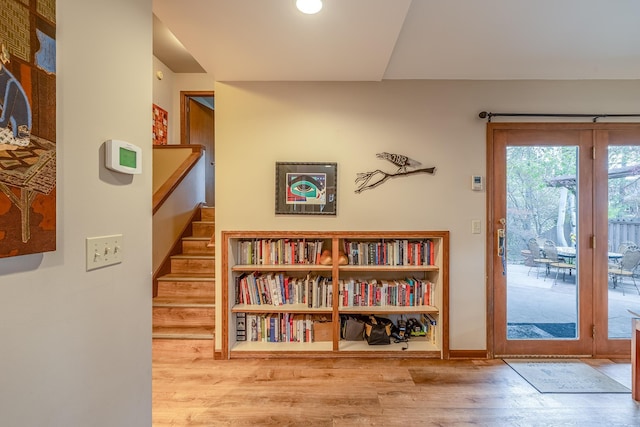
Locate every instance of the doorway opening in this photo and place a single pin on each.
(197, 126)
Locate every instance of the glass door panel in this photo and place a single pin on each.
(623, 228)
(542, 279)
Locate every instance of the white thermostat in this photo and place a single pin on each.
(477, 183)
(123, 157)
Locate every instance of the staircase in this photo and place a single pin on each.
(184, 309)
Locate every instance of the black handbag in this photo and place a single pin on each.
(377, 331)
(352, 328)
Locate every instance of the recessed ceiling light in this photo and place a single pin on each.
(309, 6)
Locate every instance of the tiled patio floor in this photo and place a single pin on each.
(540, 300)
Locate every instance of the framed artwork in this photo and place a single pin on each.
(306, 188)
(160, 125)
(27, 127)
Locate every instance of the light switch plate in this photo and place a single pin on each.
(103, 251)
(476, 226)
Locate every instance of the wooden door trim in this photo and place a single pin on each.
(489, 245)
(565, 126)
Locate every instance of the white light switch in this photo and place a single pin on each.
(476, 226)
(103, 251)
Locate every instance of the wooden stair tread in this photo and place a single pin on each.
(193, 256)
(197, 239)
(185, 332)
(185, 301)
(187, 277)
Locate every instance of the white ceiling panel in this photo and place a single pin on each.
(272, 40)
(402, 39)
(519, 39)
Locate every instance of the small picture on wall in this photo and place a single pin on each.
(160, 125)
(306, 188)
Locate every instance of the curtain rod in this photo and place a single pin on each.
(488, 116)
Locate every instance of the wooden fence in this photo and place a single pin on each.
(621, 230)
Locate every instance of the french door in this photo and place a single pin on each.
(562, 200)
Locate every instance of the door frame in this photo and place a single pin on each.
(601, 346)
(184, 110)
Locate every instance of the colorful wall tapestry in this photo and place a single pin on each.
(27, 127)
(160, 125)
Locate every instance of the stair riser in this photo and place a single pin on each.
(175, 288)
(201, 229)
(208, 214)
(200, 247)
(171, 349)
(193, 266)
(183, 316)
(167, 318)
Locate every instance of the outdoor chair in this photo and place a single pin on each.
(626, 268)
(622, 247)
(537, 258)
(557, 262)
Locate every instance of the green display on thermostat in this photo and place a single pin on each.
(127, 158)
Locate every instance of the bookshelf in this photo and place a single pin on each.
(279, 301)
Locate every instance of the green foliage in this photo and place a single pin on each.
(532, 204)
(624, 192)
(533, 201)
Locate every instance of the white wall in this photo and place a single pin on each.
(76, 345)
(173, 216)
(163, 95)
(435, 122)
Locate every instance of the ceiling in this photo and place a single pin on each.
(372, 40)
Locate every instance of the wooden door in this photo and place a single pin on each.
(198, 127)
(617, 216)
(594, 170)
(542, 296)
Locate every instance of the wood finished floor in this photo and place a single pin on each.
(364, 392)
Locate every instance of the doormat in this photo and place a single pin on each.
(564, 376)
(540, 330)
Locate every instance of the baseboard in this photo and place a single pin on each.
(468, 354)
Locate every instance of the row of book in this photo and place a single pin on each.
(279, 289)
(390, 252)
(409, 292)
(279, 251)
(429, 327)
(282, 327)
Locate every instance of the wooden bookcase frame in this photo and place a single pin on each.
(332, 348)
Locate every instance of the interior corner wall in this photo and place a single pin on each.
(434, 122)
(76, 345)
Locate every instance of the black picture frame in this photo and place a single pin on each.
(306, 188)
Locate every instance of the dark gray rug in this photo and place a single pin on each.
(540, 330)
(564, 376)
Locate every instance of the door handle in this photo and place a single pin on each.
(501, 236)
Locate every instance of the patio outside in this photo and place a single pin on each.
(544, 300)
